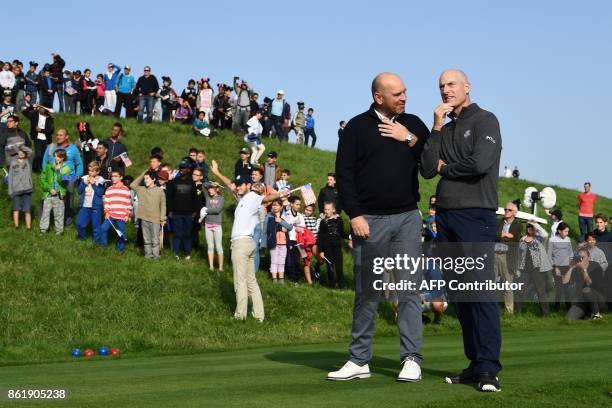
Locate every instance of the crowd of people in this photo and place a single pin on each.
(118, 91)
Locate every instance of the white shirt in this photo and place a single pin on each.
(297, 220)
(383, 117)
(42, 120)
(254, 126)
(7, 79)
(246, 215)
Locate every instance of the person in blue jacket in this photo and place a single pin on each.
(110, 82)
(91, 190)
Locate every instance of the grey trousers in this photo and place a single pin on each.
(150, 237)
(52, 203)
(386, 229)
(241, 116)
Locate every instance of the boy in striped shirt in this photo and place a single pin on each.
(117, 210)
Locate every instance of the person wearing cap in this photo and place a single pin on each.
(243, 105)
(279, 112)
(298, 123)
(71, 94)
(110, 82)
(168, 97)
(557, 218)
(182, 207)
(243, 167)
(272, 171)
(146, 88)
(41, 131)
(125, 87)
(31, 86)
(382, 207)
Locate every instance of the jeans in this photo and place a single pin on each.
(88, 216)
(146, 101)
(399, 229)
(70, 103)
(277, 123)
(310, 132)
(59, 89)
(257, 238)
(586, 225)
(182, 225)
(106, 225)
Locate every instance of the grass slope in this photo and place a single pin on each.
(59, 293)
(566, 367)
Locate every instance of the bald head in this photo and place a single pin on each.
(456, 74)
(389, 93)
(455, 89)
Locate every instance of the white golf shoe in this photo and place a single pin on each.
(410, 372)
(349, 371)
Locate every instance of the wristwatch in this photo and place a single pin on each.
(409, 137)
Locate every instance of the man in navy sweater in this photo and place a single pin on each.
(379, 189)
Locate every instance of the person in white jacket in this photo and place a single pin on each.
(253, 138)
(7, 78)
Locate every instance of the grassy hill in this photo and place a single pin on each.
(59, 293)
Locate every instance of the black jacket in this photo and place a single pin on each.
(470, 145)
(376, 174)
(327, 194)
(32, 115)
(243, 170)
(331, 232)
(145, 85)
(182, 195)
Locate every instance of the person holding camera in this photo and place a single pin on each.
(243, 105)
(590, 287)
(533, 266)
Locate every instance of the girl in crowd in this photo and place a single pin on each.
(212, 224)
(561, 252)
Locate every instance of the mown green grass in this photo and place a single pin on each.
(562, 367)
(58, 293)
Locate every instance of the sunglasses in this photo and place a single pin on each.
(508, 210)
(147, 70)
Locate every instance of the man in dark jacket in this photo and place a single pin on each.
(329, 193)
(146, 88)
(379, 189)
(506, 250)
(41, 132)
(465, 152)
(56, 69)
(182, 203)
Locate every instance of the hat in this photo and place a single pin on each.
(280, 91)
(300, 103)
(163, 175)
(127, 67)
(267, 100)
(557, 213)
(184, 164)
(242, 180)
(245, 150)
(273, 154)
(165, 78)
(33, 64)
(212, 184)
(77, 72)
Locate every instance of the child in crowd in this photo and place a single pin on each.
(183, 112)
(155, 162)
(200, 125)
(276, 240)
(312, 224)
(53, 182)
(20, 186)
(243, 167)
(253, 138)
(168, 168)
(201, 164)
(331, 233)
(212, 224)
(100, 91)
(283, 183)
(91, 191)
(292, 215)
(87, 143)
(151, 212)
(117, 210)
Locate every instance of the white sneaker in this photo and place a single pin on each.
(349, 371)
(410, 372)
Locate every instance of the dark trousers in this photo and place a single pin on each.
(561, 290)
(479, 320)
(586, 225)
(125, 100)
(39, 151)
(293, 265)
(310, 132)
(334, 254)
(182, 225)
(46, 99)
(277, 124)
(533, 280)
